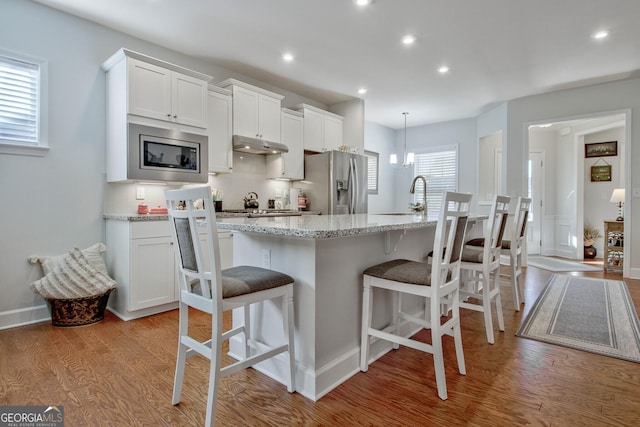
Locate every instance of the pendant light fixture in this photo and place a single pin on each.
(407, 158)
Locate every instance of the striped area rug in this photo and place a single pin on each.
(594, 315)
(556, 265)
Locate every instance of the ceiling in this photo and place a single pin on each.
(496, 49)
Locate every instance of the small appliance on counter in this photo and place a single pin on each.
(303, 202)
(158, 211)
(143, 209)
(251, 201)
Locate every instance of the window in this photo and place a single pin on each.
(22, 97)
(440, 168)
(372, 172)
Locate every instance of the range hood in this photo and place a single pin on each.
(257, 146)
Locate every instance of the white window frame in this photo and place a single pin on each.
(372, 174)
(434, 200)
(41, 146)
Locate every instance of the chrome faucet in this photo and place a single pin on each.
(417, 206)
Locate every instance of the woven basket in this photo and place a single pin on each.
(78, 311)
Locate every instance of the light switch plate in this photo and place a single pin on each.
(636, 192)
(266, 258)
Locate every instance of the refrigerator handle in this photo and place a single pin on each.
(355, 187)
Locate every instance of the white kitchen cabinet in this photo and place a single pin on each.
(146, 87)
(256, 111)
(322, 129)
(158, 93)
(141, 259)
(288, 165)
(153, 281)
(219, 127)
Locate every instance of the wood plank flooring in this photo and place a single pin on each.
(121, 374)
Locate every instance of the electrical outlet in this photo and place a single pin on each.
(278, 192)
(636, 192)
(139, 193)
(266, 258)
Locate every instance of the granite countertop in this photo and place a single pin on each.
(309, 225)
(165, 217)
(325, 226)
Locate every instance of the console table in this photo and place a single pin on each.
(613, 245)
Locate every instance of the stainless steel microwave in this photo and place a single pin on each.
(158, 154)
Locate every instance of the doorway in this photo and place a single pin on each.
(557, 153)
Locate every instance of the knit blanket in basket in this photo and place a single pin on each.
(75, 278)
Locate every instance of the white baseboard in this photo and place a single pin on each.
(315, 384)
(634, 273)
(24, 316)
(131, 315)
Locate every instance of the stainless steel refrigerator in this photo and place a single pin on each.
(335, 182)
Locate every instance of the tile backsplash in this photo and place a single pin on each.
(248, 175)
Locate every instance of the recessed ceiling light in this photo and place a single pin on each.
(600, 34)
(362, 91)
(408, 39)
(288, 57)
(443, 70)
(362, 2)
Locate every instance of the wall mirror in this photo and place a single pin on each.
(489, 167)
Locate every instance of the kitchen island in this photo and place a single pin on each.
(326, 255)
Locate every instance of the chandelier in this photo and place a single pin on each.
(407, 158)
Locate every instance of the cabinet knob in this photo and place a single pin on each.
(175, 116)
(168, 115)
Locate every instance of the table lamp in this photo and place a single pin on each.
(618, 197)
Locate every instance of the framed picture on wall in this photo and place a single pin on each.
(601, 149)
(601, 173)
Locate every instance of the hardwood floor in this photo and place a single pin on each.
(121, 373)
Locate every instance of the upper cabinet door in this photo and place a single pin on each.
(269, 118)
(332, 132)
(313, 131)
(288, 165)
(219, 132)
(322, 129)
(256, 111)
(149, 90)
(245, 112)
(189, 100)
(158, 93)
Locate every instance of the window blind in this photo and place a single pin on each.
(440, 168)
(19, 89)
(372, 172)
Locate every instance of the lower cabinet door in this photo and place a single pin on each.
(153, 276)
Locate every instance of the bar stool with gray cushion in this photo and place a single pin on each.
(437, 282)
(480, 268)
(205, 287)
(514, 247)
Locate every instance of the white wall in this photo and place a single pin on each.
(379, 139)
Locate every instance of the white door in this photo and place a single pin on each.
(535, 190)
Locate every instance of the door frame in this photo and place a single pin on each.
(538, 206)
(579, 219)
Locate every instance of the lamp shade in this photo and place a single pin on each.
(617, 196)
